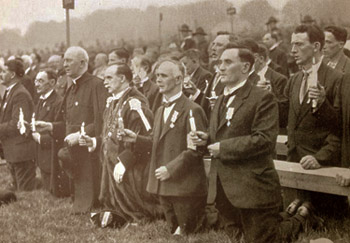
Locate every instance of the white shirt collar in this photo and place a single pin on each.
(45, 96)
(228, 91)
(274, 46)
(119, 95)
(173, 98)
(262, 72)
(8, 89)
(143, 81)
(75, 79)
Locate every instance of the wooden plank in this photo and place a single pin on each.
(292, 175)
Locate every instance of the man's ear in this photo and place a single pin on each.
(317, 46)
(52, 82)
(245, 67)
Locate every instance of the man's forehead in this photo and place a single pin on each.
(166, 67)
(222, 39)
(300, 37)
(229, 54)
(41, 75)
(111, 70)
(329, 35)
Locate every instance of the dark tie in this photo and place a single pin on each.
(167, 104)
(4, 99)
(303, 87)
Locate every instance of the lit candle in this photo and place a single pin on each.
(82, 129)
(22, 128)
(192, 122)
(33, 122)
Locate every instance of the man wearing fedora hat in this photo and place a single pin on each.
(271, 23)
(187, 41)
(202, 44)
(308, 20)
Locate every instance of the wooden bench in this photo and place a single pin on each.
(281, 147)
(292, 175)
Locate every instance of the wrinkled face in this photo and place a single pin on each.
(332, 46)
(112, 81)
(42, 83)
(115, 59)
(302, 50)
(72, 63)
(231, 67)
(218, 46)
(168, 77)
(189, 64)
(268, 40)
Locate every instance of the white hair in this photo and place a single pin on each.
(80, 53)
(27, 59)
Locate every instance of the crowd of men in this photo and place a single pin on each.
(126, 139)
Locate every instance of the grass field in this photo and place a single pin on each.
(39, 217)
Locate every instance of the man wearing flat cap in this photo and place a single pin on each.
(187, 41)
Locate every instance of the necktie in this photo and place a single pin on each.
(303, 87)
(4, 99)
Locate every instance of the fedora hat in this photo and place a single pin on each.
(199, 31)
(271, 20)
(185, 28)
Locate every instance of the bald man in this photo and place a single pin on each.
(84, 102)
(100, 63)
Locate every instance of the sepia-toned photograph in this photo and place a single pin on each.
(198, 121)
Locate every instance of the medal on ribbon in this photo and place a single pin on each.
(229, 115)
(173, 119)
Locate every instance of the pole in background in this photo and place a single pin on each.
(160, 28)
(231, 11)
(68, 4)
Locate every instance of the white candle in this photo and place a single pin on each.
(33, 122)
(192, 122)
(22, 128)
(82, 129)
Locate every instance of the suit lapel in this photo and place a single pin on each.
(158, 126)
(215, 117)
(177, 108)
(236, 103)
(9, 98)
(295, 93)
(46, 106)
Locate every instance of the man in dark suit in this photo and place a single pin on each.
(335, 39)
(276, 55)
(272, 81)
(84, 102)
(246, 189)
(187, 40)
(52, 176)
(142, 71)
(177, 173)
(312, 119)
(196, 78)
(17, 146)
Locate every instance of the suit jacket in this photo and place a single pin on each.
(150, 91)
(343, 64)
(280, 58)
(16, 147)
(200, 76)
(169, 148)
(46, 111)
(245, 163)
(313, 133)
(188, 43)
(345, 119)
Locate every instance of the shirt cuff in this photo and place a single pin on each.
(94, 144)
